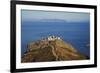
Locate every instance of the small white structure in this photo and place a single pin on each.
(58, 38)
(51, 38)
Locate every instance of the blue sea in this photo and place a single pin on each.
(75, 33)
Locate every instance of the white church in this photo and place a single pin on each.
(52, 38)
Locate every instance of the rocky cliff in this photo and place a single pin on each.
(51, 50)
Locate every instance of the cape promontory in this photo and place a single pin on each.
(51, 49)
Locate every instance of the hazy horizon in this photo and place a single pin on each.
(36, 15)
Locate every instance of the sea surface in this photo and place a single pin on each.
(75, 33)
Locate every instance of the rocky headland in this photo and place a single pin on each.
(51, 49)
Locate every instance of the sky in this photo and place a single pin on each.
(36, 15)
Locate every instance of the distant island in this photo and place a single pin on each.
(51, 48)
